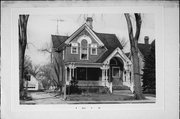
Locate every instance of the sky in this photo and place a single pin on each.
(41, 27)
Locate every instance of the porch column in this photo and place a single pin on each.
(65, 75)
(65, 83)
(73, 67)
(103, 74)
(106, 75)
(70, 77)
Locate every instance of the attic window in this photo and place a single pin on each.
(74, 48)
(93, 49)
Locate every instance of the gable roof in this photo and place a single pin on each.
(58, 41)
(144, 48)
(89, 30)
(111, 43)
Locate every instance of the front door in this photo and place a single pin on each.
(116, 69)
(116, 76)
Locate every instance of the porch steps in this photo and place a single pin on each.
(122, 90)
(122, 87)
(94, 89)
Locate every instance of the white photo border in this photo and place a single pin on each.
(10, 65)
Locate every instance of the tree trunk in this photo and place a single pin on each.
(22, 25)
(134, 52)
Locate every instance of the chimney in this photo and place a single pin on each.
(89, 21)
(146, 40)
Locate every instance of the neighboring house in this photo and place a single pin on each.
(94, 59)
(34, 84)
(144, 49)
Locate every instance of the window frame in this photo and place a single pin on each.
(93, 47)
(87, 51)
(74, 45)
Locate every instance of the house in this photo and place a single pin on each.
(34, 84)
(94, 59)
(144, 49)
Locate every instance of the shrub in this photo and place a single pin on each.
(73, 87)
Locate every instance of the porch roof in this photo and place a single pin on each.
(84, 64)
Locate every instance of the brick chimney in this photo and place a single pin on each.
(89, 21)
(146, 40)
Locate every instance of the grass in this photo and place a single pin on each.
(99, 97)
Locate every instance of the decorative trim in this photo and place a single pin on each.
(87, 38)
(86, 27)
(121, 55)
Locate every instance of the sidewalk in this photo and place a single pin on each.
(52, 98)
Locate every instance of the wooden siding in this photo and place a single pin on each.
(76, 57)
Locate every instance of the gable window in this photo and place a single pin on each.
(93, 49)
(84, 50)
(115, 72)
(74, 48)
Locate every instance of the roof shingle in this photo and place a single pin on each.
(144, 48)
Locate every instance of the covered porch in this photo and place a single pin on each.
(88, 74)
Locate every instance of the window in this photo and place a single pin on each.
(84, 50)
(93, 49)
(84, 54)
(116, 72)
(74, 48)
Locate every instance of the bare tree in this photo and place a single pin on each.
(30, 68)
(47, 49)
(22, 25)
(56, 68)
(134, 51)
(47, 73)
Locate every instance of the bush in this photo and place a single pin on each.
(73, 88)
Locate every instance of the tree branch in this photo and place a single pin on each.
(130, 29)
(138, 25)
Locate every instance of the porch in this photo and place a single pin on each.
(97, 74)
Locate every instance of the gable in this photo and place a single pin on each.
(118, 53)
(88, 30)
(84, 34)
(111, 43)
